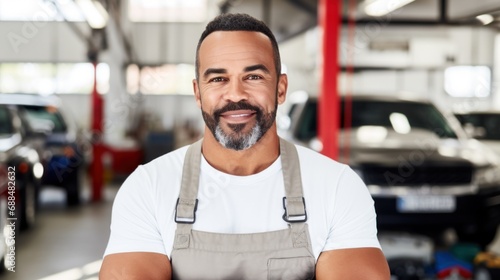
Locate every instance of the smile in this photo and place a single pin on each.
(238, 115)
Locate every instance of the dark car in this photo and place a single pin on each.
(61, 149)
(24, 168)
(423, 173)
(20, 174)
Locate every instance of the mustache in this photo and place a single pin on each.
(233, 106)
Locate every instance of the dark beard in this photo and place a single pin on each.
(238, 139)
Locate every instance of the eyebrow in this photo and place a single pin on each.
(256, 67)
(210, 71)
(250, 68)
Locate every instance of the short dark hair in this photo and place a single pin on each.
(238, 22)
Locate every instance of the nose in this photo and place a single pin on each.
(236, 91)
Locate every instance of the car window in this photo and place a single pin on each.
(307, 124)
(5, 121)
(380, 113)
(490, 123)
(412, 115)
(45, 118)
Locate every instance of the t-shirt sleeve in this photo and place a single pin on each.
(354, 222)
(133, 220)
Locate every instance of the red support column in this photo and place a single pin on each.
(329, 102)
(97, 169)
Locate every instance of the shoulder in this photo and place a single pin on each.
(168, 165)
(316, 163)
(149, 176)
(173, 158)
(323, 173)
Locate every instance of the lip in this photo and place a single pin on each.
(238, 115)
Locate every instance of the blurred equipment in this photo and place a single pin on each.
(158, 144)
(410, 257)
(448, 267)
(487, 266)
(407, 246)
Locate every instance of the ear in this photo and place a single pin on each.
(282, 88)
(196, 90)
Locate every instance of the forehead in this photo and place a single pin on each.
(221, 47)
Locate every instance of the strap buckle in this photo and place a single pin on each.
(301, 218)
(181, 220)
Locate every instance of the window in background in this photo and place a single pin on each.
(167, 11)
(164, 79)
(48, 78)
(467, 81)
(39, 10)
(79, 78)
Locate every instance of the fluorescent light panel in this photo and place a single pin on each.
(378, 8)
(485, 19)
(94, 13)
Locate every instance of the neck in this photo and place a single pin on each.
(242, 163)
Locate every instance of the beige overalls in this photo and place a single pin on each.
(282, 254)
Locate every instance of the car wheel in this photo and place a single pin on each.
(28, 200)
(73, 190)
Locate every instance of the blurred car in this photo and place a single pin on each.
(483, 126)
(424, 174)
(60, 147)
(20, 174)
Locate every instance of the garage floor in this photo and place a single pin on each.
(67, 244)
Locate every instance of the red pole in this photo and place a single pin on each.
(328, 110)
(97, 169)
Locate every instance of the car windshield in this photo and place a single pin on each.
(5, 121)
(399, 116)
(489, 122)
(45, 118)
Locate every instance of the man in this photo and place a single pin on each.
(242, 203)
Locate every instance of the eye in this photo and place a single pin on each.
(254, 77)
(216, 80)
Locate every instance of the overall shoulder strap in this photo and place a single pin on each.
(185, 210)
(293, 202)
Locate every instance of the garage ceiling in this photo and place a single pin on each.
(288, 18)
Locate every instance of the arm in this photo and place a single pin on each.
(132, 266)
(352, 250)
(355, 264)
(135, 249)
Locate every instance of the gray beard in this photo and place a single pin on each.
(240, 144)
(236, 138)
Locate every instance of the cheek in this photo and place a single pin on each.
(208, 102)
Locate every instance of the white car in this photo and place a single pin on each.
(483, 126)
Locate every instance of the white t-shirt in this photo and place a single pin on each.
(340, 209)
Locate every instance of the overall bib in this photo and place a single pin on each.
(282, 254)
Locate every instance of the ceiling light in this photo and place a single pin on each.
(485, 19)
(378, 8)
(94, 13)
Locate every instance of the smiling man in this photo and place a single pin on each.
(233, 205)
